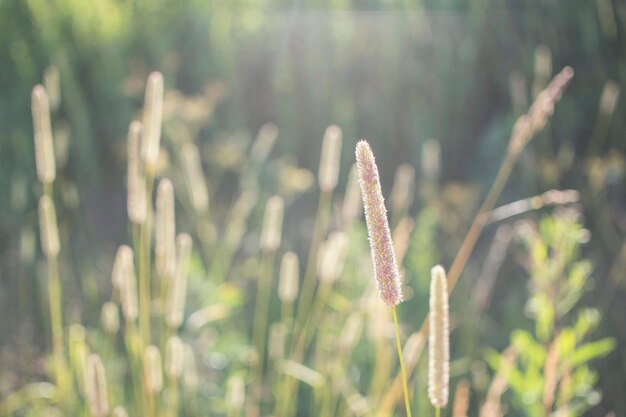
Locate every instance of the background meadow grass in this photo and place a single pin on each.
(396, 75)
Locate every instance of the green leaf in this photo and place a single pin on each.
(592, 350)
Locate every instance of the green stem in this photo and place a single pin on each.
(307, 292)
(261, 315)
(437, 412)
(404, 380)
(56, 319)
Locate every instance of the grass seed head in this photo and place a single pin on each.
(438, 342)
(165, 234)
(153, 371)
(194, 177)
(272, 224)
(175, 304)
(152, 115)
(289, 279)
(383, 256)
(136, 204)
(96, 387)
(44, 147)
(174, 357)
(330, 158)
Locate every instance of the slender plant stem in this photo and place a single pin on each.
(404, 380)
(261, 315)
(300, 344)
(437, 412)
(307, 293)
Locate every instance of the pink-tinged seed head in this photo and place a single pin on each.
(383, 256)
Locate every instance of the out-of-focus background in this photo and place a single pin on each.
(396, 73)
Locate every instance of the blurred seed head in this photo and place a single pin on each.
(174, 358)
(403, 190)
(384, 259)
(352, 203)
(402, 237)
(44, 148)
(153, 372)
(136, 204)
(175, 307)
(194, 177)
(263, 143)
(431, 159)
(120, 411)
(289, 279)
(48, 230)
(235, 393)
(165, 236)
(124, 278)
(439, 339)
(609, 97)
(110, 318)
(272, 224)
(96, 387)
(152, 115)
(330, 158)
(333, 256)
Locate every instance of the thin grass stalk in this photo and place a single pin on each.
(526, 128)
(407, 403)
(261, 318)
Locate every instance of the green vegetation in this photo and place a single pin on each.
(220, 274)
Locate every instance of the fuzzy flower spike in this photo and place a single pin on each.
(383, 256)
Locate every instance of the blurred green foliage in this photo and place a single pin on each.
(394, 73)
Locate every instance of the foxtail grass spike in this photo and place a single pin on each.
(44, 147)
(152, 114)
(272, 224)
(110, 318)
(153, 371)
(330, 158)
(381, 246)
(177, 293)
(125, 267)
(136, 204)
(96, 387)
(48, 227)
(438, 339)
(165, 234)
(194, 177)
(174, 357)
(289, 278)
